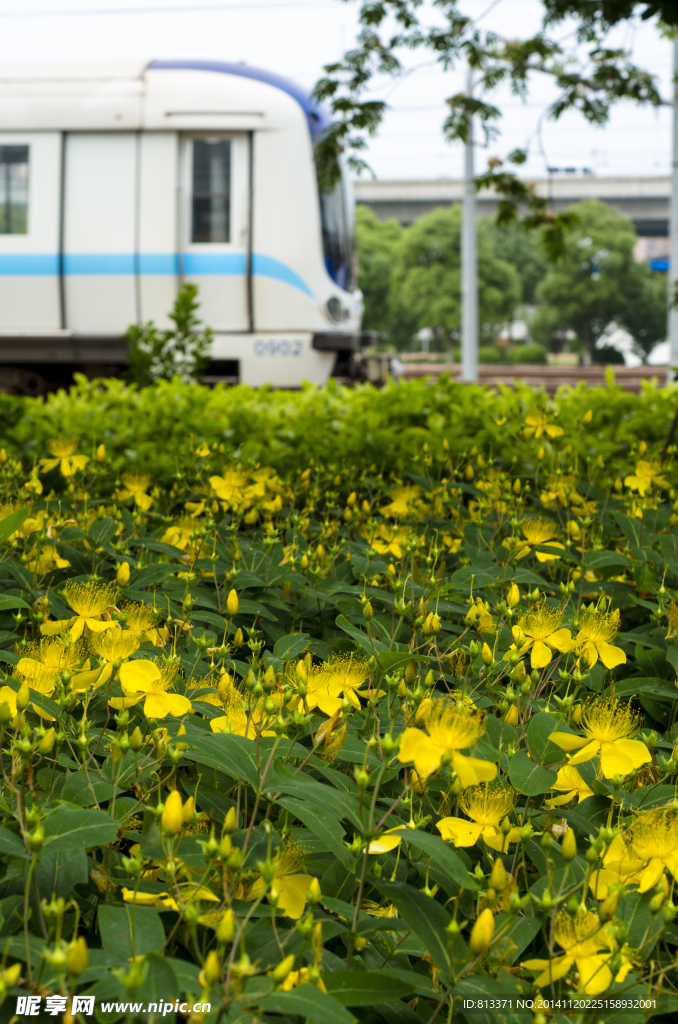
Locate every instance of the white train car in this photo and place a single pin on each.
(120, 182)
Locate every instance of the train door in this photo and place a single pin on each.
(99, 243)
(29, 231)
(215, 226)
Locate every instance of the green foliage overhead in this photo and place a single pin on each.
(590, 69)
(370, 717)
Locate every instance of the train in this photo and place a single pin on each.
(120, 182)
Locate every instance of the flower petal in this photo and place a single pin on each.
(635, 750)
(293, 889)
(176, 704)
(614, 761)
(561, 640)
(138, 675)
(594, 974)
(541, 655)
(609, 655)
(58, 626)
(157, 705)
(651, 875)
(586, 753)
(385, 843)
(100, 627)
(568, 740)
(460, 831)
(471, 770)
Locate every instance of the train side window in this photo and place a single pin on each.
(13, 190)
(211, 213)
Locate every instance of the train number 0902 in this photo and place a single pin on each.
(272, 347)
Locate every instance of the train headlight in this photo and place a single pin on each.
(335, 310)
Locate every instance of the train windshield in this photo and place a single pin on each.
(338, 229)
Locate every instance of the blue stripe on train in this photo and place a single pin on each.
(152, 264)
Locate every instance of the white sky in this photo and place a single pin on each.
(296, 37)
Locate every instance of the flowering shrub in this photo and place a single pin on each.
(340, 739)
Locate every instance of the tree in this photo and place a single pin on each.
(597, 281)
(428, 275)
(378, 246)
(520, 248)
(645, 312)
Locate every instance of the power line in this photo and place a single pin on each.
(187, 8)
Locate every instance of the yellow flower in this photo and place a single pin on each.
(385, 539)
(449, 729)
(589, 946)
(595, 633)
(230, 487)
(646, 476)
(539, 530)
(110, 646)
(43, 559)
(653, 840)
(141, 619)
(608, 726)
(62, 449)
(143, 679)
(300, 977)
(238, 720)
(487, 805)
(342, 674)
(403, 501)
(289, 885)
(538, 424)
(539, 631)
(88, 601)
(570, 783)
(135, 486)
(386, 842)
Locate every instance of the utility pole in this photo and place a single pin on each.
(673, 224)
(469, 262)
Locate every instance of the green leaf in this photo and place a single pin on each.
(13, 522)
(369, 644)
(307, 1001)
(130, 930)
(153, 574)
(66, 829)
(389, 661)
(631, 528)
(9, 601)
(77, 790)
(427, 919)
(321, 825)
(539, 729)
(517, 938)
(228, 753)
(325, 800)
(10, 844)
(602, 559)
(469, 578)
(443, 856)
(289, 647)
(365, 988)
(529, 778)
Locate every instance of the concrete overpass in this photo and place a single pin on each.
(644, 200)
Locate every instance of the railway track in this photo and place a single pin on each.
(630, 378)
